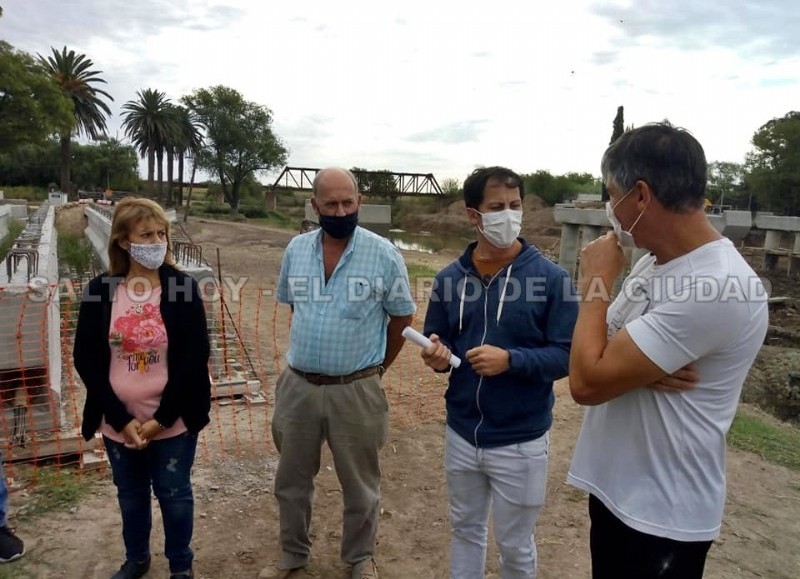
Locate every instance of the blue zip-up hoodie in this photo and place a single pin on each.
(528, 308)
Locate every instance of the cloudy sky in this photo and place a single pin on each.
(443, 87)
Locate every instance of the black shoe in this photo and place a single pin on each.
(132, 569)
(182, 575)
(11, 546)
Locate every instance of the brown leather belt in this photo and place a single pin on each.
(325, 380)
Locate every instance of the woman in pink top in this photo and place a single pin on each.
(141, 349)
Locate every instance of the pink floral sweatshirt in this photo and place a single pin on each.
(138, 370)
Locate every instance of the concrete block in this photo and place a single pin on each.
(778, 222)
(565, 213)
(377, 214)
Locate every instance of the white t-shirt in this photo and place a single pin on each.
(657, 460)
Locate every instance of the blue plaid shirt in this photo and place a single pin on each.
(339, 327)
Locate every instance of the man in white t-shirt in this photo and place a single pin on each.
(661, 368)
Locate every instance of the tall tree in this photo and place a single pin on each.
(77, 79)
(616, 133)
(619, 125)
(773, 166)
(32, 108)
(725, 183)
(150, 122)
(238, 138)
(451, 186)
(107, 164)
(190, 139)
(187, 141)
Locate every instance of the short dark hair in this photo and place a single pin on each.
(669, 159)
(475, 184)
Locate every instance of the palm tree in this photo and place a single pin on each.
(150, 124)
(75, 75)
(190, 139)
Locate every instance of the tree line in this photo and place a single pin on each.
(48, 101)
(769, 177)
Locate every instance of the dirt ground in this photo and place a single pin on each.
(236, 515)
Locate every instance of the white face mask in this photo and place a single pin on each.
(501, 228)
(624, 238)
(148, 255)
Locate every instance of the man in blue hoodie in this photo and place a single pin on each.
(509, 313)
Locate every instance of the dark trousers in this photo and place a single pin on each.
(165, 465)
(619, 552)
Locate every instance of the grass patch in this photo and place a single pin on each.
(278, 220)
(25, 192)
(779, 444)
(16, 570)
(76, 252)
(418, 270)
(15, 227)
(54, 489)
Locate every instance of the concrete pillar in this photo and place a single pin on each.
(270, 200)
(568, 253)
(772, 241)
(796, 248)
(589, 233)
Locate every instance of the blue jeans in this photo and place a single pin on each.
(511, 481)
(3, 494)
(165, 465)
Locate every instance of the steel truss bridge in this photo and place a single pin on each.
(371, 183)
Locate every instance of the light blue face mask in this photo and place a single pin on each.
(148, 255)
(624, 238)
(501, 228)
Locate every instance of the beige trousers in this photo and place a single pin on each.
(353, 419)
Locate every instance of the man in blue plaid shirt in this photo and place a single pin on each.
(350, 298)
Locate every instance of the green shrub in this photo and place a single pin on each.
(76, 252)
(15, 227)
(24, 192)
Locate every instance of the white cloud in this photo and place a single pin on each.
(443, 87)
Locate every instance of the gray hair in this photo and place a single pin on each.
(669, 159)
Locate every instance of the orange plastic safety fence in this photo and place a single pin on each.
(42, 396)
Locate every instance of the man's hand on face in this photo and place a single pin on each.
(602, 260)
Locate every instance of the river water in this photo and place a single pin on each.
(425, 242)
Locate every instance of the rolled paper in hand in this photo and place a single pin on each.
(413, 335)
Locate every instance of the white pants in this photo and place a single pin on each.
(513, 481)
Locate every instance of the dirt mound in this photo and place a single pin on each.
(773, 383)
(71, 220)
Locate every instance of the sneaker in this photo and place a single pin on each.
(11, 546)
(182, 575)
(132, 569)
(366, 569)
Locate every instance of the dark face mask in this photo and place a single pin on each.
(339, 226)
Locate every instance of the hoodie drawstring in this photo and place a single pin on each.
(461, 304)
(503, 294)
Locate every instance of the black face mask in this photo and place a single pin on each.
(339, 226)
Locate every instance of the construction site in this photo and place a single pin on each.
(236, 265)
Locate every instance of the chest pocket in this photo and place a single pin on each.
(360, 298)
